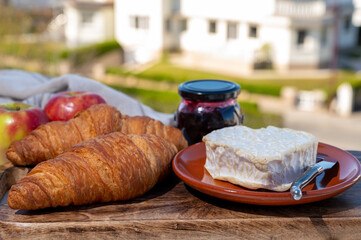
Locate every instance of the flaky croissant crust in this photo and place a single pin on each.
(51, 139)
(106, 168)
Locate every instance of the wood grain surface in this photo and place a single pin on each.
(172, 210)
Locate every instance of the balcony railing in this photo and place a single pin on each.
(300, 9)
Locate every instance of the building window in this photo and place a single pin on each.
(301, 36)
(87, 17)
(139, 22)
(347, 23)
(212, 26)
(252, 31)
(323, 36)
(183, 25)
(175, 6)
(232, 32)
(168, 25)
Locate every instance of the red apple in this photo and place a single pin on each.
(64, 105)
(16, 121)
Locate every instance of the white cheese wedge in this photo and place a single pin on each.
(269, 158)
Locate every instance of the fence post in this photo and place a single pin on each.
(345, 99)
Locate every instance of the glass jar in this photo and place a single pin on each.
(207, 105)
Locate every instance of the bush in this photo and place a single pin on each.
(117, 71)
(53, 52)
(49, 52)
(161, 101)
(170, 73)
(342, 77)
(80, 56)
(272, 90)
(254, 118)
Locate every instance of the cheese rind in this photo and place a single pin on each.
(270, 158)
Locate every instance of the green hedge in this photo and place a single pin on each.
(342, 77)
(356, 84)
(254, 118)
(170, 73)
(165, 71)
(54, 52)
(119, 71)
(80, 56)
(162, 101)
(49, 52)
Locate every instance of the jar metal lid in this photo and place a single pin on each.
(209, 90)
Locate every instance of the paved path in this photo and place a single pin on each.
(342, 132)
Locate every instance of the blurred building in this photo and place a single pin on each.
(36, 4)
(238, 36)
(88, 21)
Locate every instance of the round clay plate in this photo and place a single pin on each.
(189, 163)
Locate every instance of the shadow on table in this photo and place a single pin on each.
(342, 203)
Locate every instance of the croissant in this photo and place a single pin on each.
(49, 140)
(143, 124)
(106, 168)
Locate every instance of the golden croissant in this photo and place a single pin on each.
(106, 168)
(49, 140)
(147, 125)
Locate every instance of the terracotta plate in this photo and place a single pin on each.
(188, 164)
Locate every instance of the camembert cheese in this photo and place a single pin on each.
(269, 158)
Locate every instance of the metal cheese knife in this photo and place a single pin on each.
(308, 176)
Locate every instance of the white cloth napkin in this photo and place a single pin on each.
(36, 89)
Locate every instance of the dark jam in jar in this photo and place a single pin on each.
(207, 105)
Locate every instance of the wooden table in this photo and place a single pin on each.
(174, 211)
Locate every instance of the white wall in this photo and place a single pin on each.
(271, 30)
(140, 45)
(99, 30)
(72, 26)
(307, 54)
(228, 9)
(278, 31)
(197, 37)
(108, 23)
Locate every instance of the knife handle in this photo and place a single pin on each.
(311, 173)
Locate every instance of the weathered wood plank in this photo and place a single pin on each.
(263, 228)
(174, 211)
(181, 202)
